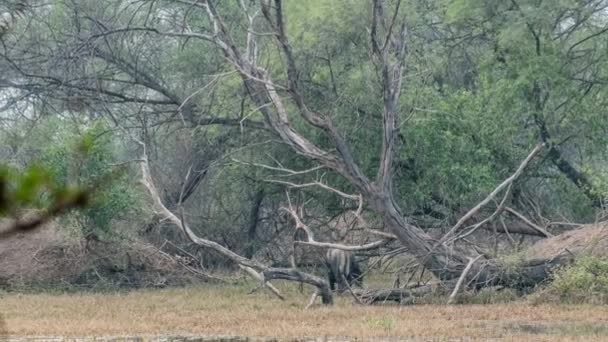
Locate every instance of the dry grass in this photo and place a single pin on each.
(215, 310)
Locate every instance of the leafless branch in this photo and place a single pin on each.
(462, 278)
(249, 265)
(490, 218)
(32, 222)
(286, 171)
(528, 222)
(319, 184)
(310, 240)
(493, 194)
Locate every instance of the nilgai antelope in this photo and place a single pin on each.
(342, 267)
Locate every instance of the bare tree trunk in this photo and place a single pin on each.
(445, 264)
(253, 222)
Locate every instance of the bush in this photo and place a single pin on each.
(584, 281)
(82, 155)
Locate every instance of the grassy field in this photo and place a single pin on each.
(231, 310)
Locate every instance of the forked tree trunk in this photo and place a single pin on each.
(443, 263)
(448, 263)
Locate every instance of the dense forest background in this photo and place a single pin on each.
(256, 114)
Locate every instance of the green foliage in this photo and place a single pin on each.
(585, 281)
(32, 187)
(385, 323)
(480, 78)
(81, 157)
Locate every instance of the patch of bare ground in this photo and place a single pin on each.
(48, 257)
(37, 256)
(231, 311)
(588, 239)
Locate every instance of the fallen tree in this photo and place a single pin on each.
(399, 295)
(257, 270)
(278, 103)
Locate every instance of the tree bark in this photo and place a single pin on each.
(253, 222)
(445, 264)
(402, 296)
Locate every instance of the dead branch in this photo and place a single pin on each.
(171, 217)
(316, 183)
(32, 222)
(147, 181)
(365, 247)
(493, 194)
(350, 290)
(311, 302)
(528, 222)
(310, 240)
(462, 278)
(391, 70)
(286, 171)
(383, 234)
(249, 265)
(498, 211)
(400, 295)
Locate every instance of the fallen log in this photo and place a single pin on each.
(522, 274)
(399, 295)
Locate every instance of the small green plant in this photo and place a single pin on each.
(386, 323)
(511, 268)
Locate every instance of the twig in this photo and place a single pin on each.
(350, 289)
(311, 302)
(506, 229)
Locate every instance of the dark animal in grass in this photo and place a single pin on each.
(342, 269)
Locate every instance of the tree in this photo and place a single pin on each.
(399, 110)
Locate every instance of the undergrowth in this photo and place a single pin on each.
(585, 281)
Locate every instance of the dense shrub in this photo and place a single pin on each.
(83, 156)
(584, 281)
